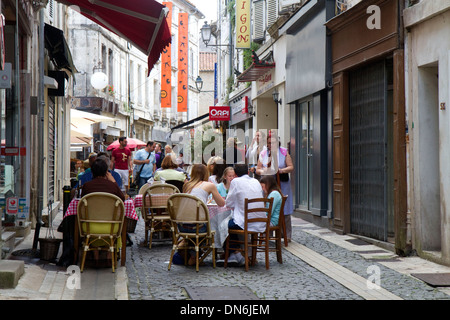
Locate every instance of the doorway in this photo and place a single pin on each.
(305, 155)
(371, 152)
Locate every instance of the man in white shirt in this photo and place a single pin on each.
(240, 188)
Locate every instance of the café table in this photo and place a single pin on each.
(218, 219)
(130, 213)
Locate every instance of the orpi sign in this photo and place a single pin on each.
(219, 113)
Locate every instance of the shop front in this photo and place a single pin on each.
(368, 124)
(308, 75)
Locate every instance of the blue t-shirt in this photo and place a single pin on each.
(276, 207)
(147, 171)
(222, 190)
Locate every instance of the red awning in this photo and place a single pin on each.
(141, 22)
(255, 71)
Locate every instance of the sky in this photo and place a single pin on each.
(208, 8)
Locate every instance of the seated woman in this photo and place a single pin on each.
(169, 171)
(199, 186)
(228, 176)
(272, 190)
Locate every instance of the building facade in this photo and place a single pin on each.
(368, 123)
(427, 61)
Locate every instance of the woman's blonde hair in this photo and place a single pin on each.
(199, 173)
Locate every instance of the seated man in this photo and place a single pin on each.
(102, 181)
(240, 188)
(87, 176)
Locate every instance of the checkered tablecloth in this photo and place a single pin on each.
(218, 218)
(130, 212)
(157, 200)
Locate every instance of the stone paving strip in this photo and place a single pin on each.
(342, 275)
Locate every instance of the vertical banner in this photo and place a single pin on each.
(166, 66)
(243, 24)
(215, 84)
(183, 44)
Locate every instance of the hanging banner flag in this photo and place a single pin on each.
(243, 24)
(166, 66)
(183, 44)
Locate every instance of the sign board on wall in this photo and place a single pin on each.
(221, 113)
(243, 24)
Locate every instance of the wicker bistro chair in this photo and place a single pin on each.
(188, 209)
(100, 217)
(259, 240)
(154, 209)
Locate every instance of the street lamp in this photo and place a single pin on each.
(206, 32)
(199, 83)
(275, 96)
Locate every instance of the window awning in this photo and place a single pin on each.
(255, 71)
(140, 22)
(58, 50)
(187, 123)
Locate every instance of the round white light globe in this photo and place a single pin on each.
(99, 80)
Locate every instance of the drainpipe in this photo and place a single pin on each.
(41, 98)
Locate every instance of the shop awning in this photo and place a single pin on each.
(255, 72)
(58, 50)
(80, 120)
(187, 123)
(140, 22)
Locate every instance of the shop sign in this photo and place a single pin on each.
(221, 113)
(12, 205)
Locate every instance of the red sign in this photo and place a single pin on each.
(13, 151)
(12, 205)
(245, 104)
(219, 113)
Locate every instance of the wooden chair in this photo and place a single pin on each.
(275, 232)
(100, 218)
(259, 240)
(154, 209)
(188, 209)
(282, 222)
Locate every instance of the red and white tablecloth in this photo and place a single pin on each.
(157, 200)
(130, 212)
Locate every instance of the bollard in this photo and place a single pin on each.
(66, 197)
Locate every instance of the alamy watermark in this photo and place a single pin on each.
(374, 21)
(374, 280)
(74, 280)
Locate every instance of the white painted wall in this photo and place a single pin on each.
(428, 53)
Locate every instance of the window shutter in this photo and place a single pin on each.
(51, 10)
(258, 19)
(272, 12)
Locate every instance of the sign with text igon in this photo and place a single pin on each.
(221, 113)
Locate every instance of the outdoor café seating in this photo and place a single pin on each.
(100, 218)
(191, 213)
(259, 241)
(154, 209)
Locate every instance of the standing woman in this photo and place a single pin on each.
(228, 176)
(275, 160)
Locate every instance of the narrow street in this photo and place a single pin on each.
(317, 265)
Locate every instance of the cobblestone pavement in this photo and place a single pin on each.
(149, 278)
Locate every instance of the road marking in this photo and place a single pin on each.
(347, 278)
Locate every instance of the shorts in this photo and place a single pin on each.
(124, 175)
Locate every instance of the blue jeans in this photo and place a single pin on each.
(234, 237)
(142, 181)
(191, 228)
